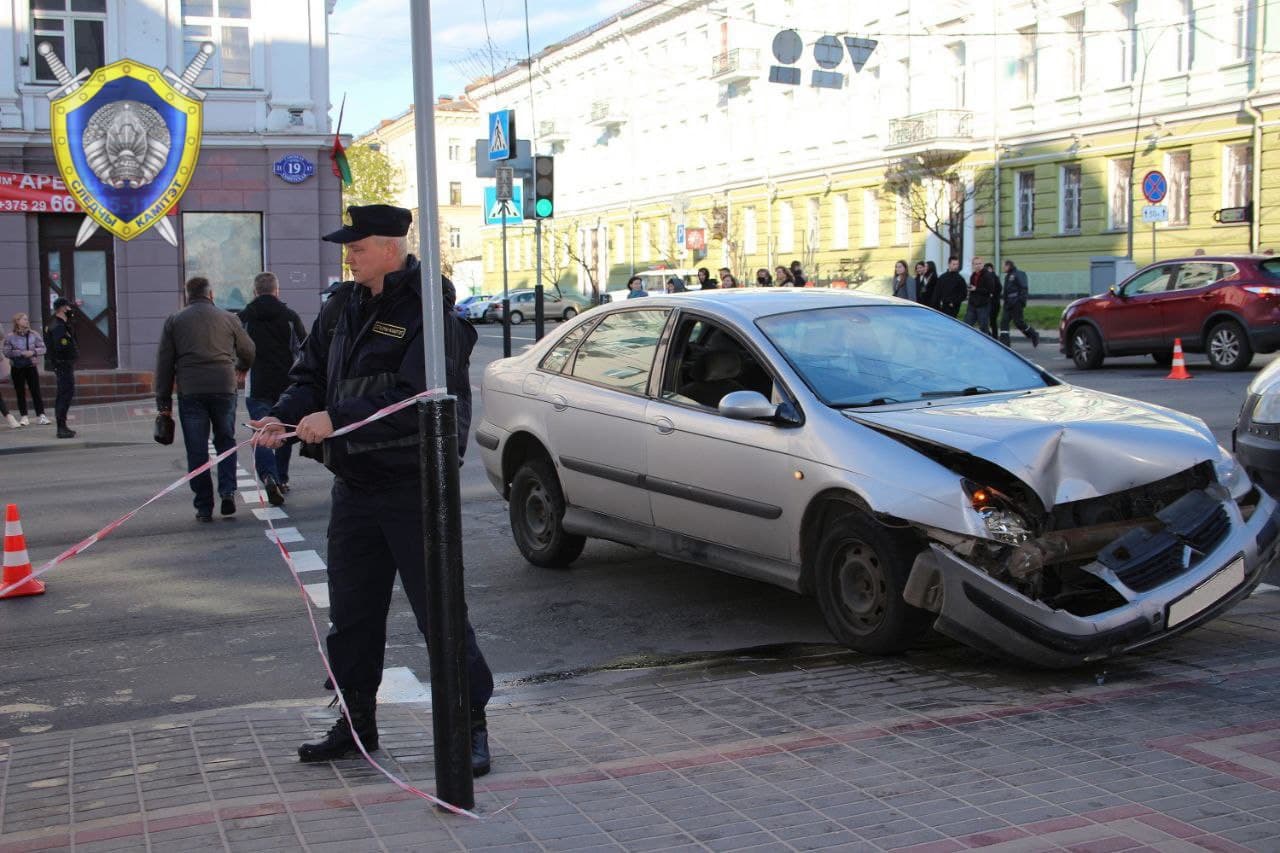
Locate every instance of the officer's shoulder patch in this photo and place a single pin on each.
(65, 341)
(389, 330)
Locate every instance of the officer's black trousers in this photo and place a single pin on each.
(372, 535)
(66, 375)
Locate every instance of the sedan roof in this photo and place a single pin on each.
(750, 303)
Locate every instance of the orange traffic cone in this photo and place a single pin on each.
(17, 565)
(1179, 363)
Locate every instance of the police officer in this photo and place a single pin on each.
(63, 352)
(364, 353)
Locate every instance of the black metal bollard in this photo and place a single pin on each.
(539, 314)
(446, 600)
(506, 327)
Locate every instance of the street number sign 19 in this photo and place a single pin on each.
(1155, 187)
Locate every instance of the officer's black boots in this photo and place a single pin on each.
(64, 431)
(479, 747)
(339, 743)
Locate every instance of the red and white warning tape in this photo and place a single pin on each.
(89, 541)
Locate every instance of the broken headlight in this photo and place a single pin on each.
(1002, 520)
(1230, 474)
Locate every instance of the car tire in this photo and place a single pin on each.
(536, 511)
(860, 571)
(1086, 347)
(570, 313)
(516, 318)
(1163, 359)
(1227, 346)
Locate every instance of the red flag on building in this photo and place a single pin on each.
(338, 154)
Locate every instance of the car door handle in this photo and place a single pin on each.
(559, 403)
(664, 426)
(1205, 297)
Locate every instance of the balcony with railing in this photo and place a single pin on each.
(936, 130)
(605, 114)
(735, 65)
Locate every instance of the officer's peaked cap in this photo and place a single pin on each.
(372, 220)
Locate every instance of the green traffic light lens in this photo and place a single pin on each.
(544, 207)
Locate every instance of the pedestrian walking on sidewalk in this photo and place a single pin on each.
(949, 292)
(363, 354)
(64, 352)
(205, 349)
(23, 346)
(277, 333)
(983, 287)
(782, 277)
(798, 278)
(4, 410)
(904, 286)
(1015, 302)
(926, 283)
(705, 281)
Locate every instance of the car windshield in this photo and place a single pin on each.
(878, 354)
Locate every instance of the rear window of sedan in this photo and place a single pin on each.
(879, 354)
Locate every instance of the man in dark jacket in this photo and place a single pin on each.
(205, 349)
(364, 353)
(277, 334)
(950, 290)
(1015, 301)
(63, 352)
(983, 287)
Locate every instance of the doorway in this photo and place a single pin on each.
(86, 275)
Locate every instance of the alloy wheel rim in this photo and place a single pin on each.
(1080, 346)
(861, 587)
(1225, 346)
(537, 515)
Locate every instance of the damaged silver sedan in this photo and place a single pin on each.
(904, 469)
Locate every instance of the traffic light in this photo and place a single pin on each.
(544, 184)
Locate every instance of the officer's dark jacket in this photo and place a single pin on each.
(62, 343)
(374, 358)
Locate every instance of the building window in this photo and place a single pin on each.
(620, 242)
(1120, 207)
(74, 29)
(1024, 212)
(455, 193)
(645, 249)
(1177, 166)
(786, 228)
(1073, 25)
(870, 219)
(750, 238)
(840, 222)
(959, 95)
(902, 218)
(1069, 194)
(1185, 31)
(664, 238)
(1237, 176)
(455, 150)
(1026, 64)
(813, 225)
(225, 248)
(1241, 36)
(226, 24)
(455, 238)
(1126, 56)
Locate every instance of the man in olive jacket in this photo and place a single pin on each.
(206, 349)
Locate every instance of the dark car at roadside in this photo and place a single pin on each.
(1225, 306)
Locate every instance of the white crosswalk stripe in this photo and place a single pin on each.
(318, 593)
(1265, 587)
(284, 534)
(307, 561)
(399, 684)
(272, 512)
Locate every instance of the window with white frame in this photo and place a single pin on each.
(870, 218)
(786, 227)
(620, 242)
(813, 224)
(1184, 32)
(455, 150)
(1126, 41)
(75, 29)
(1240, 38)
(957, 81)
(225, 23)
(840, 222)
(1120, 194)
(1069, 199)
(664, 237)
(1028, 46)
(455, 238)
(644, 250)
(902, 218)
(750, 237)
(1024, 211)
(1237, 175)
(1073, 54)
(1177, 167)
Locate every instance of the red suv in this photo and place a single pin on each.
(1227, 307)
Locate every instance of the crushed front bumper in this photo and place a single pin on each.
(976, 609)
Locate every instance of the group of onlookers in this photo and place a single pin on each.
(792, 276)
(982, 295)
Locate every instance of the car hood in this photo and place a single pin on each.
(1066, 443)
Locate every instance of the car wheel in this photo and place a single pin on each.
(570, 313)
(859, 576)
(1164, 358)
(1228, 347)
(1086, 347)
(536, 512)
(516, 318)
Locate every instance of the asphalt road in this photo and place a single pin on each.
(169, 615)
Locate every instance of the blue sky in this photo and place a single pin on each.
(369, 49)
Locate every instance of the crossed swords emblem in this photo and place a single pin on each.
(185, 85)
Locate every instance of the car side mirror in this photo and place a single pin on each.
(746, 406)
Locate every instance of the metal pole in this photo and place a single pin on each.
(441, 501)
(506, 301)
(539, 313)
(1153, 242)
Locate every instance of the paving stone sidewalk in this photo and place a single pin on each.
(939, 750)
(97, 425)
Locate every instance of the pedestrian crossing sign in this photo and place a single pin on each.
(502, 135)
(493, 207)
